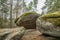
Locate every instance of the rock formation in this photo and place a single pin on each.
(28, 20)
(49, 24)
(10, 33)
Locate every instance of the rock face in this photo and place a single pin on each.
(49, 24)
(11, 34)
(28, 20)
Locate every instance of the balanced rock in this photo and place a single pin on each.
(28, 20)
(49, 24)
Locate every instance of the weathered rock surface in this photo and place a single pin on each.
(9, 34)
(49, 24)
(28, 20)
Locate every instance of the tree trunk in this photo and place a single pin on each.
(11, 2)
(17, 8)
(2, 20)
(23, 5)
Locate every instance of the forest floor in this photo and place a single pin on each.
(20, 33)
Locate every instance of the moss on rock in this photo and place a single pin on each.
(53, 18)
(27, 19)
(49, 23)
(52, 15)
(54, 21)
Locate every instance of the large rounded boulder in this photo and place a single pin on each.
(49, 24)
(28, 20)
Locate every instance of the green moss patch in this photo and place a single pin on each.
(53, 18)
(52, 15)
(54, 21)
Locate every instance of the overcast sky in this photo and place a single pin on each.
(39, 5)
